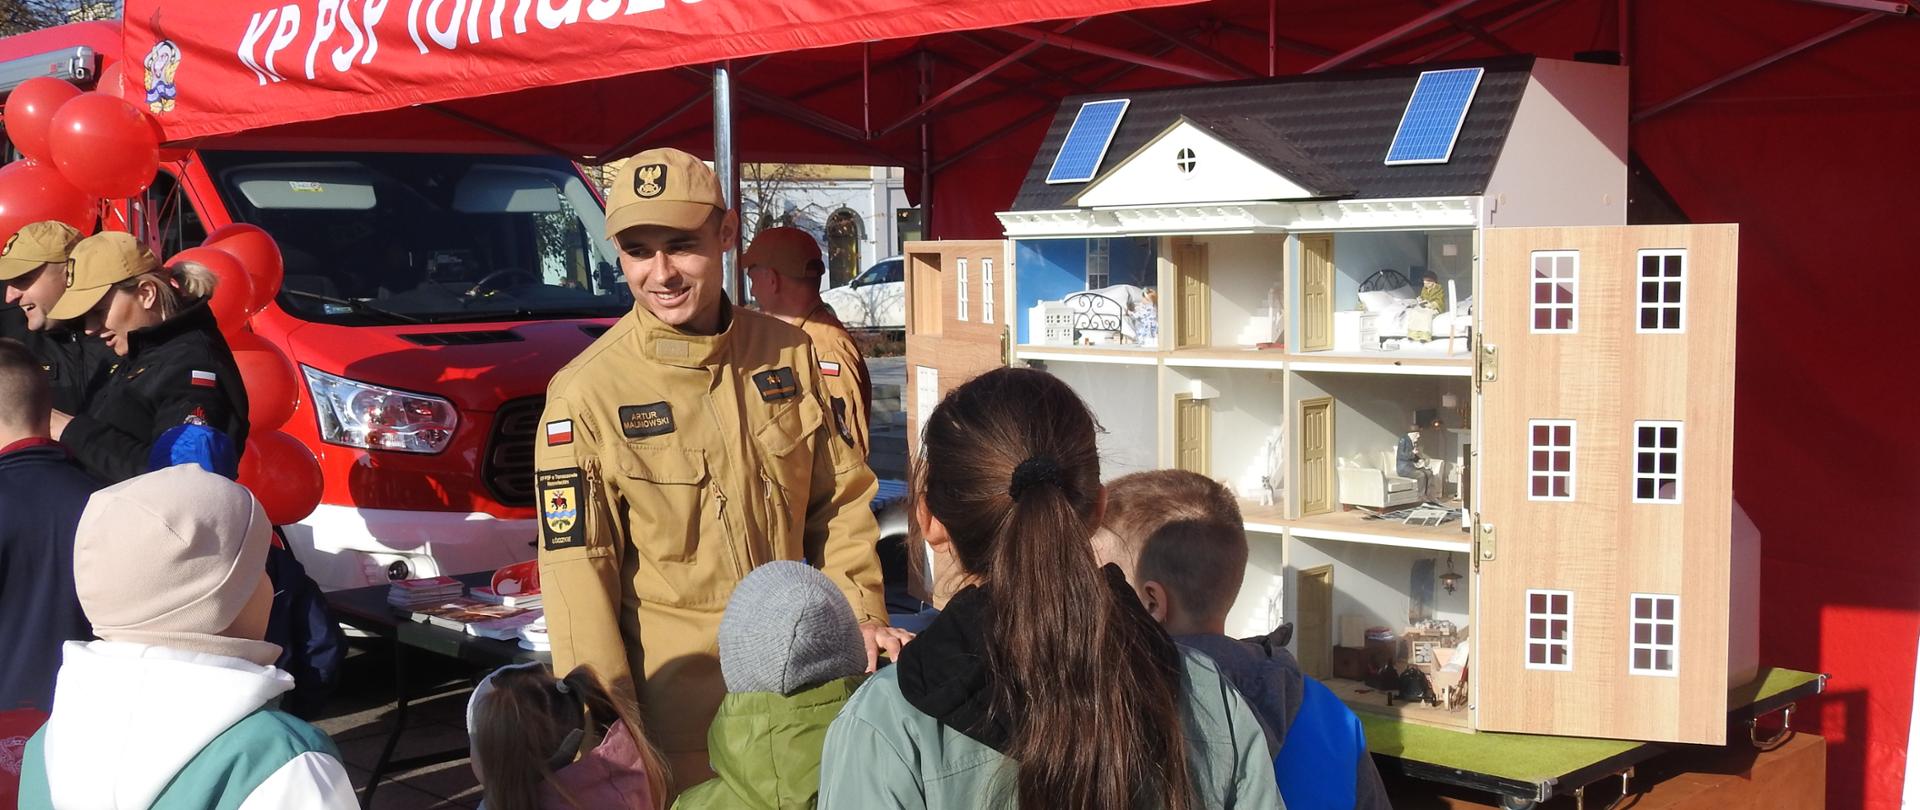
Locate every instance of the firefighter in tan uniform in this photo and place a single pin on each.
(687, 445)
(785, 267)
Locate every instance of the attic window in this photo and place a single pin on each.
(1185, 161)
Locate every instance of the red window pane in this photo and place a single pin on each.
(1558, 627)
(1542, 319)
(1642, 633)
(1537, 603)
(1541, 434)
(1666, 609)
(1664, 635)
(1562, 436)
(1563, 319)
(1642, 659)
(1542, 461)
(1536, 653)
(1562, 488)
(1536, 628)
(1674, 263)
(1562, 461)
(1649, 266)
(1563, 293)
(1557, 655)
(1642, 608)
(1663, 660)
(1541, 486)
(1670, 318)
(1559, 602)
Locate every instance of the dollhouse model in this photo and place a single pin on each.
(1480, 427)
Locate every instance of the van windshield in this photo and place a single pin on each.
(385, 238)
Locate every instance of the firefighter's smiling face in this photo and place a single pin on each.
(677, 275)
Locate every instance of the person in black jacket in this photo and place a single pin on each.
(32, 266)
(42, 493)
(175, 368)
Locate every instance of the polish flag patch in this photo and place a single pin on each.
(203, 379)
(559, 432)
(828, 369)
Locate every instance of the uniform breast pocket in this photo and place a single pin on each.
(666, 493)
(785, 441)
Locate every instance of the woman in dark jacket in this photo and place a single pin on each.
(174, 368)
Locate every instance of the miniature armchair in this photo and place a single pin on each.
(1374, 486)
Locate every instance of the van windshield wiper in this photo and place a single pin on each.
(361, 307)
(526, 314)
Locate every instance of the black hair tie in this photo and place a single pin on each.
(1035, 470)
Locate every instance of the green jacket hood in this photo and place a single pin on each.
(765, 748)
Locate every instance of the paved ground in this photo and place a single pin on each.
(361, 714)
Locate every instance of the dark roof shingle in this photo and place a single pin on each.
(1329, 132)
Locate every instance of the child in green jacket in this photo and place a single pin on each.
(791, 654)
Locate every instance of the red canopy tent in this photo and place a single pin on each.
(1792, 118)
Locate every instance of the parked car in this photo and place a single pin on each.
(875, 299)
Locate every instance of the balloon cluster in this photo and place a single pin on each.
(81, 148)
(78, 148)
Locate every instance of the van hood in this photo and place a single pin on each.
(477, 365)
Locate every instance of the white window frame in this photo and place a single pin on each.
(1099, 248)
(1653, 647)
(986, 291)
(960, 276)
(1660, 305)
(1677, 451)
(1548, 642)
(1573, 458)
(1534, 307)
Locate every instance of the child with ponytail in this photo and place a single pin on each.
(546, 743)
(1044, 683)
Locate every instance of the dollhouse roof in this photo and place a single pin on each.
(1330, 132)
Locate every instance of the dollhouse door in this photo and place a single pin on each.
(1190, 263)
(1316, 456)
(1192, 434)
(1316, 300)
(1604, 456)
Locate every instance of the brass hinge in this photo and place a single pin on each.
(1486, 365)
(1484, 549)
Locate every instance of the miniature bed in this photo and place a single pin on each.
(1392, 317)
(1118, 315)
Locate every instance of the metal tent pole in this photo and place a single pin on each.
(727, 171)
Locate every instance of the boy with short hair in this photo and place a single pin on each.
(174, 706)
(1179, 538)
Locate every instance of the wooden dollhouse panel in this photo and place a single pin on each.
(955, 345)
(1605, 456)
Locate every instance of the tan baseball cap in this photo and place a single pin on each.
(791, 252)
(36, 244)
(99, 262)
(665, 187)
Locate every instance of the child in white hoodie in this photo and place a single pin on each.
(174, 706)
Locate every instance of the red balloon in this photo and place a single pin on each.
(30, 112)
(258, 253)
(272, 381)
(111, 82)
(32, 192)
(105, 146)
(283, 474)
(232, 295)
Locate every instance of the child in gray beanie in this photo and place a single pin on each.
(791, 654)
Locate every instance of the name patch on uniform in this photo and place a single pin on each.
(637, 421)
(559, 432)
(776, 384)
(560, 524)
(829, 369)
(202, 379)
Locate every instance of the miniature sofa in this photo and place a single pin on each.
(1372, 486)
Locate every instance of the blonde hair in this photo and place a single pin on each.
(176, 286)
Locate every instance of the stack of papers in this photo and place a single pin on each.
(412, 593)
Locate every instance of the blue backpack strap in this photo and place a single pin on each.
(1318, 764)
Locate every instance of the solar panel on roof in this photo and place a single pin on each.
(1432, 121)
(1087, 140)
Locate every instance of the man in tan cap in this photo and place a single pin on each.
(174, 706)
(33, 268)
(689, 444)
(785, 267)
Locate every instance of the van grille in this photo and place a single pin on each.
(461, 338)
(509, 465)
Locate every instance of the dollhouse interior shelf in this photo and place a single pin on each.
(1350, 527)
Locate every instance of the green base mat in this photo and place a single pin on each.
(1535, 758)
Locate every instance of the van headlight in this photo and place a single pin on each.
(357, 414)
